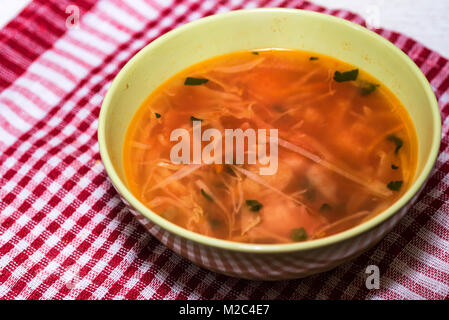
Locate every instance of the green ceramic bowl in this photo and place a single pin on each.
(254, 29)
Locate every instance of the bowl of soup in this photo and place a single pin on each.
(269, 143)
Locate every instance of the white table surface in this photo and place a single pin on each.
(10, 8)
(425, 21)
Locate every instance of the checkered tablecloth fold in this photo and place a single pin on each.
(65, 234)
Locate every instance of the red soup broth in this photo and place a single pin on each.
(347, 148)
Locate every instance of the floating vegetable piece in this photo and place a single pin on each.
(215, 223)
(298, 235)
(397, 141)
(366, 88)
(395, 185)
(207, 196)
(254, 205)
(192, 118)
(195, 81)
(346, 76)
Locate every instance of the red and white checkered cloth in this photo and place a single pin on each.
(65, 234)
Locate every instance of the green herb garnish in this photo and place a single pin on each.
(397, 141)
(195, 81)
(325, 207)
(255, 53)
(394, 167)
(254, 205)
(215, 223)
(299, 234)
(367, 88)
(395, 185)
(157, 115)
(229, 170)
(207, 196)
(192, 118)
(346, 76)
(313, 58)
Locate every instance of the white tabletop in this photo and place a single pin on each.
(425, 21)
(9, 9)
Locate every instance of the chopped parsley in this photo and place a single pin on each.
(215, 223)
(367, 88)
(346, 76)
(254, 205)
(229, 170)
(255, 53)
(395, 185)
(192, 118)
(397, 141)
(313, 58)
(157, 115)
(394, 167)
(298, 235)
(206, 195)
(195, 81)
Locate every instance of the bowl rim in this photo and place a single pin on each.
(271, 248)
